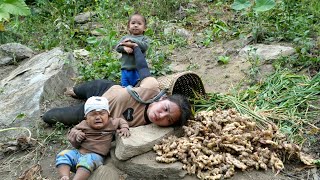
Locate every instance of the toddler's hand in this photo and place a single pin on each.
(124, 132)
(129, 44)
(126, 40)
(129, 50)
(80, 136)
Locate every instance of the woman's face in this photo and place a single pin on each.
(163, 113)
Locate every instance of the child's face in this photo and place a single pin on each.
(97, 119)
(136, 25)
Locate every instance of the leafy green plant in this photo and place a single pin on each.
(14, 7)
(108, 67)
(20, 116)
(208, 37)
(163, 9)
(299, 62)
(256, 8)
(193, 66)
(159, 65)
(157, 57)
(289, 20)
(59, 29)
(294, 19)
(56, 135)
(216, 29)
(223, 59)
(317, 162)
(103, 64)
(129, 9)
(7, 8)
(255, 63)
(286, 98)
(108, 41)
(173, 39)
(259, 5)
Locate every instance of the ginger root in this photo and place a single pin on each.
(217, 142)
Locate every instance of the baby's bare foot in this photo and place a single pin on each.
(69, 92)
(64, 178)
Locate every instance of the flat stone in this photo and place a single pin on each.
(142, 140)
(266, 52)
(107, 171)
(81, 53)
(84, 17)
(14, 52)
(145, 167)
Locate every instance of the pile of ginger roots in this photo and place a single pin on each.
(216, 143)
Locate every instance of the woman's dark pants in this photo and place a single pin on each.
(74, 114)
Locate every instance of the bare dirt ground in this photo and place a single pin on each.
(215, 77)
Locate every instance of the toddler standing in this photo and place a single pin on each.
(137, 25)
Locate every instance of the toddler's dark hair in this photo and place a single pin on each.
(136, 13)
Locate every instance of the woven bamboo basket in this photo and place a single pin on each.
(185, 83)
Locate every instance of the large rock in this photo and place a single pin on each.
(174, 29)
(145, 167)
(84, 17)
(92, 28)
(142, 140)
(14, 52)
(21, 91)
(266, 52)
(108, 171)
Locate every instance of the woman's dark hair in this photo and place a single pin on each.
(136, 13)
(185, 108)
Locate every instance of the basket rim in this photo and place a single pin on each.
(173, 78)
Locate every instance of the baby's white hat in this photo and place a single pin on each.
(96, 103)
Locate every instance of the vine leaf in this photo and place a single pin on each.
(240, 4)
(263, 5)
(15, 7)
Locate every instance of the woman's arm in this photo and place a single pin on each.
(143, 43)
(141, 63)
(120, 48)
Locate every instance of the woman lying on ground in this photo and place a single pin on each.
(172, 110)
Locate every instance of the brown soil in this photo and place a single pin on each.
(215, 77)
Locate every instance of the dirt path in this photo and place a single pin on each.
(215, 77)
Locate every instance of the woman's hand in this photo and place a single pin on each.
(128, 50)
(124, 132)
